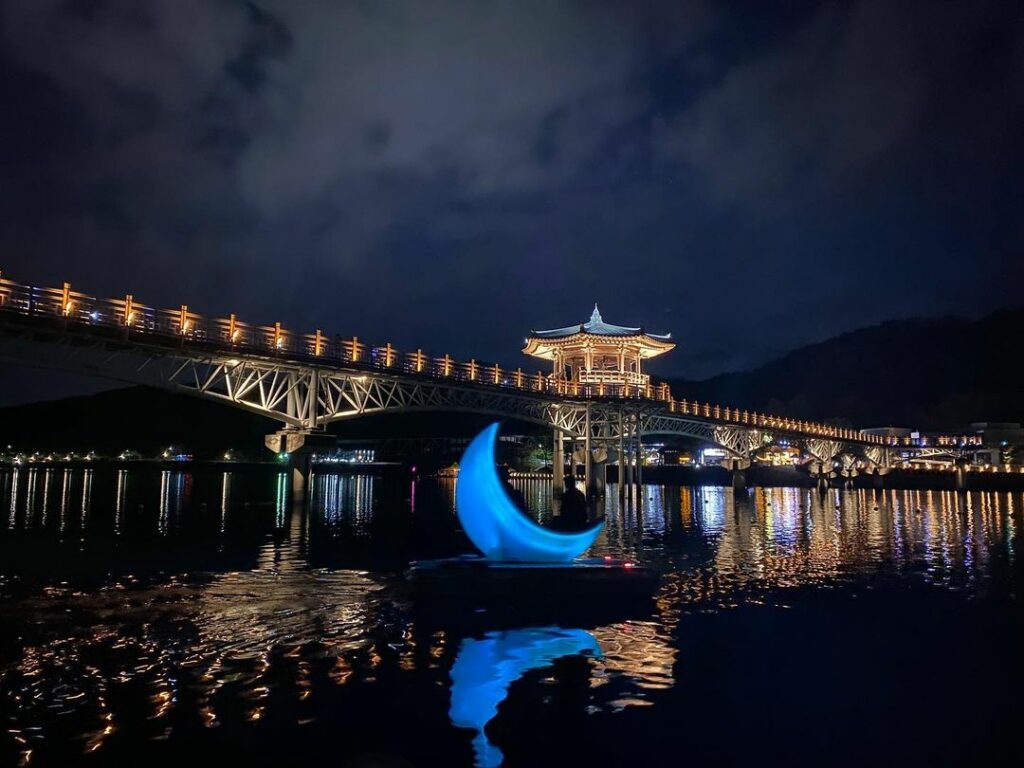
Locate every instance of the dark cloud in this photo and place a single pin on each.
(450, 174)
(855, 93)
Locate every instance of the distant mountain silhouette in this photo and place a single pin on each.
(929, 374)
(136, 418)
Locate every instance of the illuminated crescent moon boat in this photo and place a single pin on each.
(520, 559)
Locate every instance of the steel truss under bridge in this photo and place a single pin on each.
(301, 397)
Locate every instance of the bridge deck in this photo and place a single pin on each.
(125, 321)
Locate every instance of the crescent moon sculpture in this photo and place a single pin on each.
(499, 529)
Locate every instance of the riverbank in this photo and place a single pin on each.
(775, 477)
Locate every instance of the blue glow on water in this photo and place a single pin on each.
(493, 522)
(484, 669)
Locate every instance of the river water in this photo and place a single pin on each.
(153, 617)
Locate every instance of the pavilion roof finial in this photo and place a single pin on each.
(595, 316)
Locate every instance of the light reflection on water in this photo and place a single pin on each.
(485, 668)
(344, 500)
(124, 632)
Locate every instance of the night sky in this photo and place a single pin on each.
(749, 176)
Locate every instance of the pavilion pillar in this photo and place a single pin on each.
(622, 382)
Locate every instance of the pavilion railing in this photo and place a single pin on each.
(613, 377)
(132, 318)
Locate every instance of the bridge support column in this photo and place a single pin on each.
(588, 459)
(573, 456)
(598, 478)
(960, 477)
(820, 474)
(848, 464)
(628, 457)
(621, 481)
(739, 476)
(639, 460)
(558, 466)
(739, 480)
(302, 465)
(298, 446)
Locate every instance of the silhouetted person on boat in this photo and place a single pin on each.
(574, 508)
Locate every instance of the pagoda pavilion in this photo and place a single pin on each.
(598, 353)
(599, 358)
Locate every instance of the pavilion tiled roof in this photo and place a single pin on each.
(597, 327)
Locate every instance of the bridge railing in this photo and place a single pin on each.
(231, 334)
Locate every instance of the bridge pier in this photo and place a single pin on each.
(302, 466)
(558, 467)
(738, 473)
(299, 446)
(621, 458)
(739, 480)
(639, 477)
(820, 472)
(588, 458)
(625, 474)
(960, 477)
(598, 478)
(848, 464)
